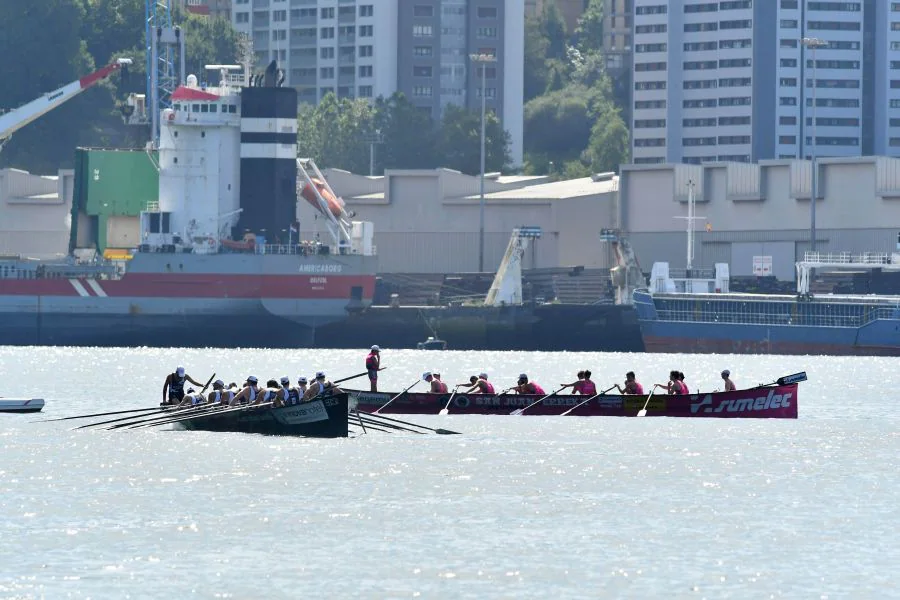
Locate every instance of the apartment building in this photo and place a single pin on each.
(372, 48)
(731, 80)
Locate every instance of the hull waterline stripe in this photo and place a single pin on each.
(96, 287)
(79, 288)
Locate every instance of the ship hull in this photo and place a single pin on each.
(877, 337)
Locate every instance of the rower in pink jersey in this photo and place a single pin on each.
(576, 387)
(528, 387)
(588, 387)
(481, 384)
(632, 387)
(684, 387)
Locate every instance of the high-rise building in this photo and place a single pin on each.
(732, 80)
(372, 48)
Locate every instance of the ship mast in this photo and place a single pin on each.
(690, 218)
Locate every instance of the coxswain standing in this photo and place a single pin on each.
(373, 363)
(632, 387)
(528, 387)
(436, 386)
(576, 387)
(729, 385)
(173, 388)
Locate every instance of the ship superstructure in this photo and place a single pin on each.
(218, 255)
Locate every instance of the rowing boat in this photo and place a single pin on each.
(323, 418)
(21, 405)
(766, 402)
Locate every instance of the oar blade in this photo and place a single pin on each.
(440, 431)
(444, 411)
(517, 412)
(642, 412)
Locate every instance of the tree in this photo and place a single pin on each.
(558, 124)
(410, 138)
(536, 46)
(42, 44)
(553, 29)
(589, 31)
(609, 143)
(460, 141)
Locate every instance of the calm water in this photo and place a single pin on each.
(517, 507)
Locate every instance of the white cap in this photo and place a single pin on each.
(375, 348)
(179, 371)
(435, 373)
(320, 374)
(285, 380)
(252, 379)
(301, 380)
(426, 375)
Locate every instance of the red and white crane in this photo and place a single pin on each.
(16, 119)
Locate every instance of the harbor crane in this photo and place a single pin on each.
(16, 119)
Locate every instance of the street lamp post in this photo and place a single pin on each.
(812, 44)
(482, 60)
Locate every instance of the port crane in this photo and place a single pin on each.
(16, 119)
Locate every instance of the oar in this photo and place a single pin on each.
(355, 376)
(643, 411)
(360, 420)
(519, 411)
(446, 409)
(350, 421)
(209, 413)
(104, 414)
(603, 393)
(158, 412)
(207, 383)
(370, 422)
(397, 396)
(439, 431)
(166, 414)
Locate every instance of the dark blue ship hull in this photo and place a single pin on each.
(779, 327)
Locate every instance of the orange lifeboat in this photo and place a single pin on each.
(335, 205)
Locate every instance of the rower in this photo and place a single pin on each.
(301, 388)
(729, 385)
(482, 385)
(576, 386)
(283, 397)
(269, 394)
(320, 387)
(528, 387)
(191, 399)
(373, 363)
(588, 387)
(631, 385)
(437, 377)
(684, 387)
(173, 388)
(673, 387)
(219, 395)
(248, 394)
(436, 386)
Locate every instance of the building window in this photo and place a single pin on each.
(788, 62)
(697, 122)
(423, 51)
(787, 120)
(486, 33)
(326, 13)
(365, 91)
(326, 52)
(422, 91)
(366, 30)
(422, 31)
(419, 71)
(367, 10)
(326, 73)
(788, 82)
(279, 16)
(366, 51)
(365, 71)
(326, 33)
(657, 9)
(279, 35)
(241, 17)
(423, 10)
(487, 12)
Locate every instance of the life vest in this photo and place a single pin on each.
(588, 388)
(371, 362)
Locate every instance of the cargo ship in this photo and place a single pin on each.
(217, 263)
(693, 314)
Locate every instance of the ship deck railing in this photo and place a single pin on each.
(309, 249)
(848, 258)
(799, 314)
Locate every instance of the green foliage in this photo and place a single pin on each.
(460, 141)
(410, 137)
(50, 43)
(573, 126)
